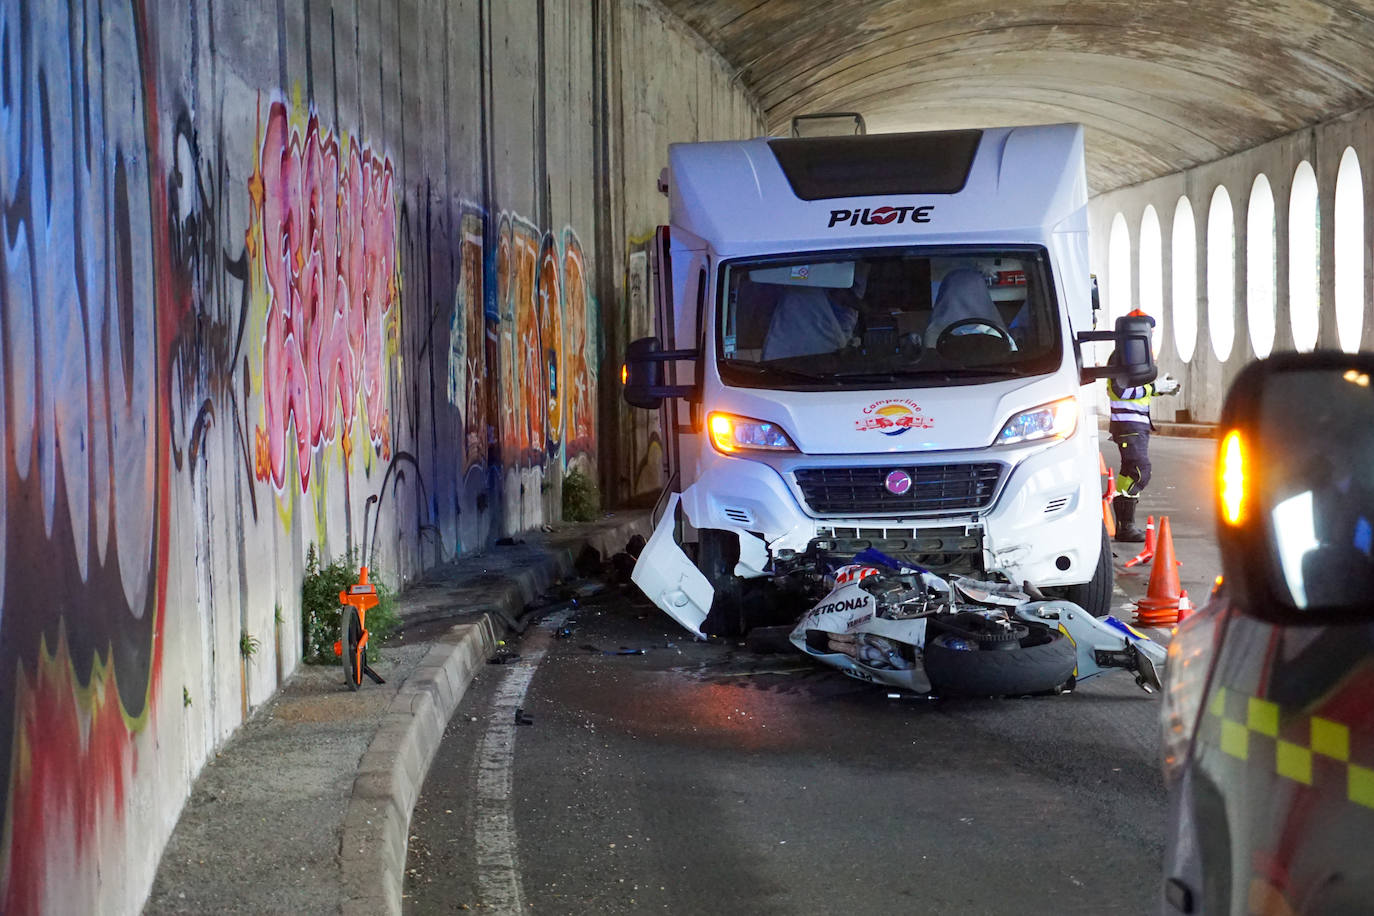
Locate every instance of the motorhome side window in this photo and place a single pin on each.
(874, 318)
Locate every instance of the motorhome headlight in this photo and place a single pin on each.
(730, 433)
(1056, 420)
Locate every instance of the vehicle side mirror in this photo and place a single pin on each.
(1133, 363)
(642, 373)
(1295, 493)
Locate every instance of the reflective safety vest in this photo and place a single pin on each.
(1130, 405)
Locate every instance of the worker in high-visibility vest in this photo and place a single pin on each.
(1130, 428)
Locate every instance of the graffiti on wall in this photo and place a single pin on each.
(126, 320)
(538, 320)
(325, 235)
(84, 484)
(467, 361)
(160, 286)
(580, 359)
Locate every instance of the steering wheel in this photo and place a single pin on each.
(949, 330)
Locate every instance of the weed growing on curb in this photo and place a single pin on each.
(320, 608)
(581, 500)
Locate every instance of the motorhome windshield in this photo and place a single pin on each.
(875, 319)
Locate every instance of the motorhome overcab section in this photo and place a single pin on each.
(913, 385)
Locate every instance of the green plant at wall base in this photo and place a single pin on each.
(581, 500)
(320, 608)
(185, 697)
(248, 645)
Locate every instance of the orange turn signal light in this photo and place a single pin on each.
(722, 432)
(1231, 475)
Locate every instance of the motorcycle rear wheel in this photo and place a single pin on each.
(957, 667)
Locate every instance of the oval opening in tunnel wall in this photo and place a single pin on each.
(1118, 270)
(1152, 272)
(1304, 258)
(1221, 273)
(1184, 306)
(1260, 265)
(1348, 260)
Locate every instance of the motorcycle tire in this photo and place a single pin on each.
(998, 672)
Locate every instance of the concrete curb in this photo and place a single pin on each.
(1175, 430)
(376, 827)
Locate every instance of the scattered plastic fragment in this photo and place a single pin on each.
(521, 718)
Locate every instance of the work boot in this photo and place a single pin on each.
(1126, 531)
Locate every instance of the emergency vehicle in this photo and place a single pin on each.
(877, 342)
(1268, 710)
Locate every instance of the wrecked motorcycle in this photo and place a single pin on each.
(907, 628)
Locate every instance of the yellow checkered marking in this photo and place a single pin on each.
(1291, 760)
(1263, 717)
(1361, 789)
(1294, 762)
(1331, 738)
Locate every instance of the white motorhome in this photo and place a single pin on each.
(877, 341)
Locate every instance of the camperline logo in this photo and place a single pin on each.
(881, 216)
(893, 416)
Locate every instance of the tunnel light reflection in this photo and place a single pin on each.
(1295, 534)
(1356, 378)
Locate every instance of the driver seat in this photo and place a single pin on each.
(963, 295)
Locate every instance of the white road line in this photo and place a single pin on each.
(498, 873)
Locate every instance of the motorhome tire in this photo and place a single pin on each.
(717, 554)
(1094, 596)
(972, 672)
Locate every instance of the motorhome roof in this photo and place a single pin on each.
(1003, 184)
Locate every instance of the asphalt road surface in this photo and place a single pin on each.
(702, 778)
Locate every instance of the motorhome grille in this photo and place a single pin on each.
(934, 488)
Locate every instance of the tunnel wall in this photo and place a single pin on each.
(263, 262)
(1206, 377)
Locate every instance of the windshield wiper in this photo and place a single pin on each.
(760, 369)
(984, 371)
(955, 372)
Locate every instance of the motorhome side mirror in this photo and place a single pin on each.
(1133, 361)
(642, 373)
(1295, 498)
(1135, 351)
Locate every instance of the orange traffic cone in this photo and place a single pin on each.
(1185, 605)
(1147, 553)
(1108, 516)
(1159, 607)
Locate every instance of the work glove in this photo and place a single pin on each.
(1167, 385)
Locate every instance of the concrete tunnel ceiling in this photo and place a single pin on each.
(1160, 86)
